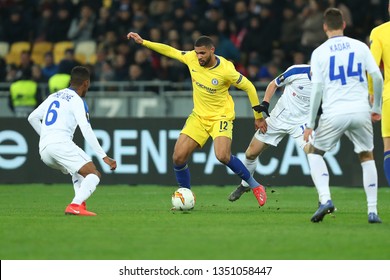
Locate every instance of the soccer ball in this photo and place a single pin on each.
(183, 199)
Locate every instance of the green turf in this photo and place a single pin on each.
(135, 223)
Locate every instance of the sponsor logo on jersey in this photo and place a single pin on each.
(208, 89)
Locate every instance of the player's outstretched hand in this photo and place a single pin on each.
(261, 124)
(110, 162)
(307, 134)
(136, 37)
(263, 107)
(375, 117)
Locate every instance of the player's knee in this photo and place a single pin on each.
(223, 158)
(307, 148)
(310, 149)
(250, 155)
(178, 159)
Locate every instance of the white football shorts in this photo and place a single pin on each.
(356, 126)
(66, 157)
(277, 130)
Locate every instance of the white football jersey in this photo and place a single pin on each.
(294, 104)
(60, 113)
(340, 64)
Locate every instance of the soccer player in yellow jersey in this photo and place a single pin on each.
(380, 49)
(213, 111)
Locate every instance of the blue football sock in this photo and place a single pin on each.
(386, 166)
(239, 168)
(183, 177)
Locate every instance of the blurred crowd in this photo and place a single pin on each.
(261, 37)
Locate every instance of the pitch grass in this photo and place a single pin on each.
(135, 223)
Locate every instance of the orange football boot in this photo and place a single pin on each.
(78, 210)
(260, 194)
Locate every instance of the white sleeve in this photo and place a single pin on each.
(315, 101)
(316, 71)
(316, 90)
(36, 116)
(85, 127)
(377, 81)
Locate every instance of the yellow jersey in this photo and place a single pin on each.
(380, 49)
(211, 97)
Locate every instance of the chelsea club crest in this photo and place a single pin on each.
(214, 82)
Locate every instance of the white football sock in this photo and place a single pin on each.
(370, 183)
(77, 179)
(88, 186)
(251, 166)
(320, 175)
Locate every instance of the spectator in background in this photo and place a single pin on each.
(224, 47)
(268, 72)
(60, 25)
(209, 23)
(43, 25)
(135, 73)
(101, 57)
(253, 70)
(187, 30)
(68, 62)
(11, 73)
(81, 28)
(122, 5)
(123, 20)
(120, 68)
(291, 32)
(166, 72)
(3, 70)
(241, 15)
(141, 59)
(109, 44)
(49, 68)
(16, 27)
(167, 24)
(312, 19)
(140, 24)
(103, 24)
(253, 41)
(36, 74)
(158, 9)
(107, 74)
(25, 68)
(179, 16)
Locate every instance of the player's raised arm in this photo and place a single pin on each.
(158, 47)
